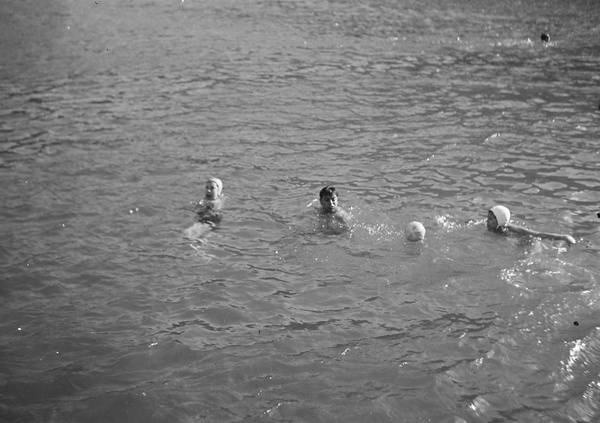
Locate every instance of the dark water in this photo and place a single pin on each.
(115, 113)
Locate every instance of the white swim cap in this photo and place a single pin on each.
(219, 184)
(415, 231)
(502, 215)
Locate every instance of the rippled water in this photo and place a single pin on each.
(115, 113)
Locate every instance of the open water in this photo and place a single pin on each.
(114, 113)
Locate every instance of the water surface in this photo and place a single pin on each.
(115, 113)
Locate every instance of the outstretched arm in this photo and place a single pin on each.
(547, 235)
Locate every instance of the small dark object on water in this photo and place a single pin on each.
(545, 38)
(598, 214)
(576, 323)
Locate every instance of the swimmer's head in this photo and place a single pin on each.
(415, 231)
(214, 186)
(328, 199)
(498, 217)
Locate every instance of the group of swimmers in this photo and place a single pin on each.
(498, 220)
(209, 215)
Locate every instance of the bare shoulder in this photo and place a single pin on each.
(343, 214)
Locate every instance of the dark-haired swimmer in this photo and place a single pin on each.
(328, 198)
(498, 220)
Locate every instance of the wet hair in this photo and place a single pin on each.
(328, 191)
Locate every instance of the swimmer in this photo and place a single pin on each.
(209, 207)
(328, 198)
(546, 40)
(415, 231)
(208, 213)
(498, 220)
(213, 188)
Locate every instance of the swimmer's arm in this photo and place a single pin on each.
(546, 235)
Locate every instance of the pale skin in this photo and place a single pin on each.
(212, 197)
(329, 203)
(212, 190)
(492, 224)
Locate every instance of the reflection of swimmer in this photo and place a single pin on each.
(498, 220)
(208, 213)
(415, 231)
(328, 198)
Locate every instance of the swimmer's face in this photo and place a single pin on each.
(329, 202)
(212, 190)
(492, 222)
